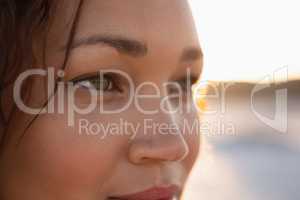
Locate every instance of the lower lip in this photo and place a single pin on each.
(158, 193)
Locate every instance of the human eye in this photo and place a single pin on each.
(184, 84)
(101, 82)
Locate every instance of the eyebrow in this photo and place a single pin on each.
(131, 47)
(124, 45)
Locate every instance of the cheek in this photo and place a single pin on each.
(59, 154)
(192, 135)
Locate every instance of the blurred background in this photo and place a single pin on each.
(250, 108)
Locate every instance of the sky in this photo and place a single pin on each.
(248, 39)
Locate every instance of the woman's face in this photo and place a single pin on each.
(101, 154)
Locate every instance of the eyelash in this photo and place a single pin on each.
(115, 84)
(112, 79)
(193, 81)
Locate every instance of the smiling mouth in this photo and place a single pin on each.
(156, 193)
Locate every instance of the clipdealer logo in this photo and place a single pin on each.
(280, 120)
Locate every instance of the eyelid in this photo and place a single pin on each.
(84, 77)
(183, 82)
(112, 76)
(193, 79)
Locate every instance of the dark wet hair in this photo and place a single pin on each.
(20, 22)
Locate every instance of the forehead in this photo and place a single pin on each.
(151, 21)
(132, 16)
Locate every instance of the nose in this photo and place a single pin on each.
(160, 145)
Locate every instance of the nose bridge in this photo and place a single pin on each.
(152, 98)
(158, 115)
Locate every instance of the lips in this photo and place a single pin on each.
(156, 193)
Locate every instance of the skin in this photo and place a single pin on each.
(55, 161)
